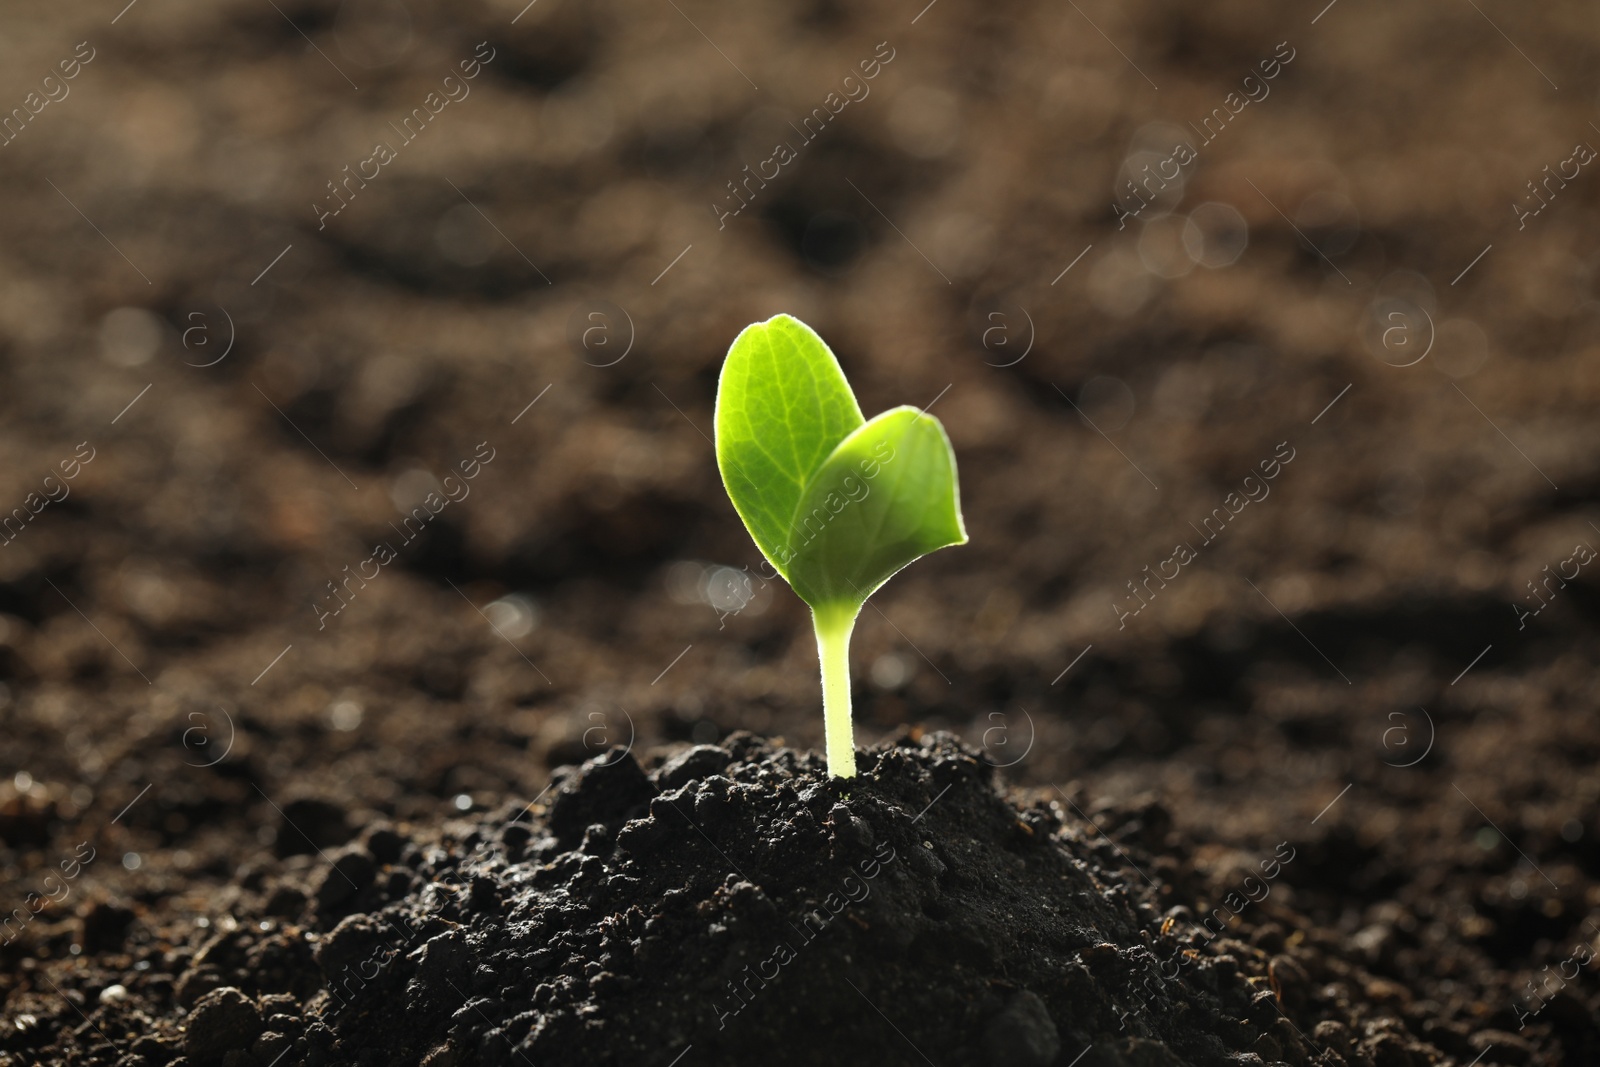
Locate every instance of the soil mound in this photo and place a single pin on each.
(736, 904)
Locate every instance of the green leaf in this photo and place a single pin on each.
(783, 405)
(885, 497)
(836, 504)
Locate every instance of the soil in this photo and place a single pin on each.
(612, 923)
(244, 750)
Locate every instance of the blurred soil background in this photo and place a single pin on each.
(267, 391)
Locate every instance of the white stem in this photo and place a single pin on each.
(833, 650)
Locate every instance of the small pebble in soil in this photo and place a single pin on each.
(701, 761)
(352, 871)
(224, 1020)
(1022, 1034)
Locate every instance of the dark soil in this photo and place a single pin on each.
(738, 904)
(203, 706)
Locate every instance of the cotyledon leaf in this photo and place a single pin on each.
(783, 406)
(884, 497)
(836, 504)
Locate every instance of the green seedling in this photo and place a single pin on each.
(836, 503)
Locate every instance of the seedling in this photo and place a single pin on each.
(836, 503)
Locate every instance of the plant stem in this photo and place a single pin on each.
(834, 625)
